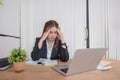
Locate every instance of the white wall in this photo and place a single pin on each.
(114, 28)
(97, 21)
(9, 25)
(104, 26)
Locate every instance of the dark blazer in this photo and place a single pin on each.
(59, 53)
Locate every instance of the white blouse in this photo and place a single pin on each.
(49, 50)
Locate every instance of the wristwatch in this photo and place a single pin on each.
(63, 43)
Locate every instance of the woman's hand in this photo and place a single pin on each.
(60, 35)
(44, 36)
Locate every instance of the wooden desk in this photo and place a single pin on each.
(46, 73)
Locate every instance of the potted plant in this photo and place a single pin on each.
(18, 57)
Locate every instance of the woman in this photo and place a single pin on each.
(51, 44)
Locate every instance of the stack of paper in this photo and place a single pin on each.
(104, 65)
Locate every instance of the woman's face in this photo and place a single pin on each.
(53, 34)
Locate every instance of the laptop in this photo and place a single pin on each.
(83, 60)
(4, 64)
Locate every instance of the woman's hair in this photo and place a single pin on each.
(49, 24)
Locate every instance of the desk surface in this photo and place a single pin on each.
(32, 72)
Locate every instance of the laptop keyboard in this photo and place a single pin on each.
(64, 70)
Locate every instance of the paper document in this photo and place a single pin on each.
(43, 62)
(31, 62)
(48, 62)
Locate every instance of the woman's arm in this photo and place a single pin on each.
(39, 50)
(37, 53)
(64, 55)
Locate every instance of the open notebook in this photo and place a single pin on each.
(43, 62)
